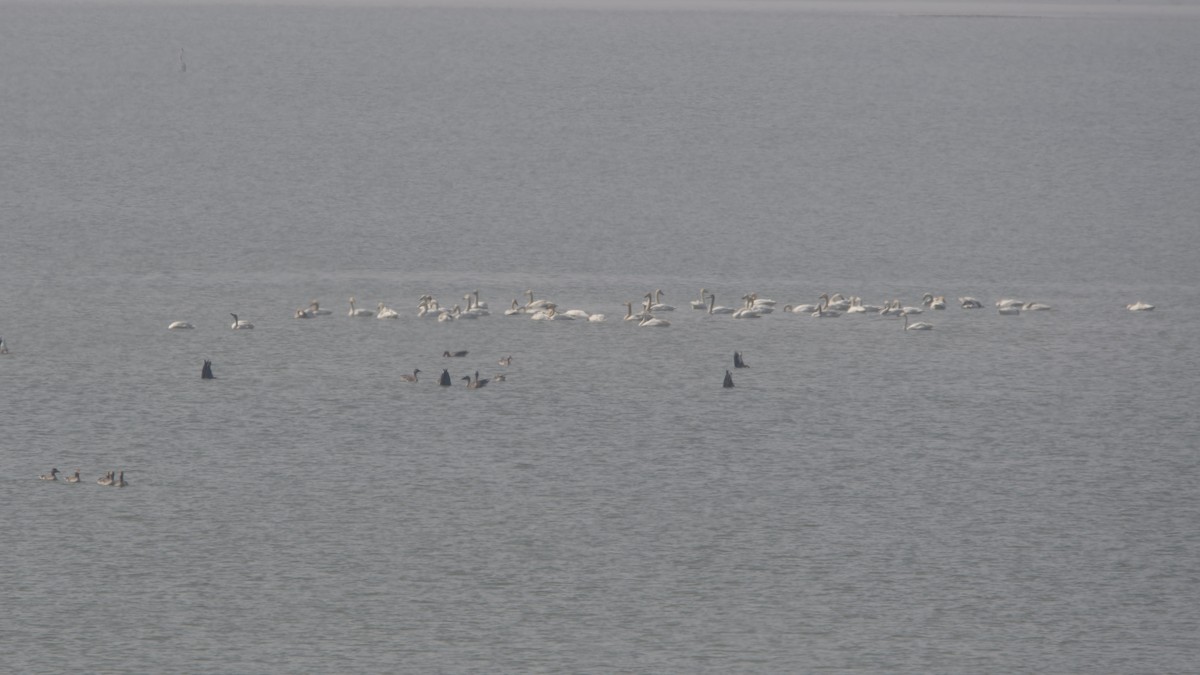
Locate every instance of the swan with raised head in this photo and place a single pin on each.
(119, 481)
(180, 325)
(358, 313)
(702, 303)
(106, 479)
(535, 304)
(74, 478)
(738, 362)
(823, 310)
(630, 316)
(714, 308)
(920, 325)
(411, 378)
(515, 309)
(657, 305)
(240, 324)
(1139, 306)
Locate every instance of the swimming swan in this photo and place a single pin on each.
(180, 325)
(920, 325)
(355, 312)
(411, 378)
(1139, 306)
(240, 324)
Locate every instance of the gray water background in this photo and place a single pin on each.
(999, 494)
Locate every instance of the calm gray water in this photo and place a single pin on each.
(999, 494)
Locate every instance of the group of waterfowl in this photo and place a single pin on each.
(107, 480)
(752, 306)
(476, 382)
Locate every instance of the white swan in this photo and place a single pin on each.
(535, 304)
(385, 312)
(240, 324)
(480, 304)
(1009, 302)
(702, 303)
(577, 314)
(823, 310)
(651, 322)
(969, 302)
(516, 308)
(630, 316)
(920, 325)
(1139, 306)
(355, 312)
(714, 308)
(657, 305)
(934, 301)
(1035, 307)
(180, 325)
(314, 308)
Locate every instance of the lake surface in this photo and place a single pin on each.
(998, 494)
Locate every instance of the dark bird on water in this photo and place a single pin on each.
(476, 383)
(206, 371)
(738, 362)
(462, 353)
(444, 380)
(728, 384)
(411, 378)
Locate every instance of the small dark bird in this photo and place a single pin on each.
(728, 384)
(444, 380)
(411, 378)
(738, 362)
(206, 371)
(506, 361)
(452, 354)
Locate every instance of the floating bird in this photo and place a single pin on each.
(506, 361)
(3, 347)
(444, 380)
(106, 479)
(206, 371)
(240, 324)
(120, 480)
(728, 383)
(738, 362)
(355, 312)
(53, 475)
(305, 313)
(180, 325)
(314, 308)
(74, 478)
(475, 383)
(920, 325)
(1138, 306)
(411, 378)
(968, 302)
(448, 354)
